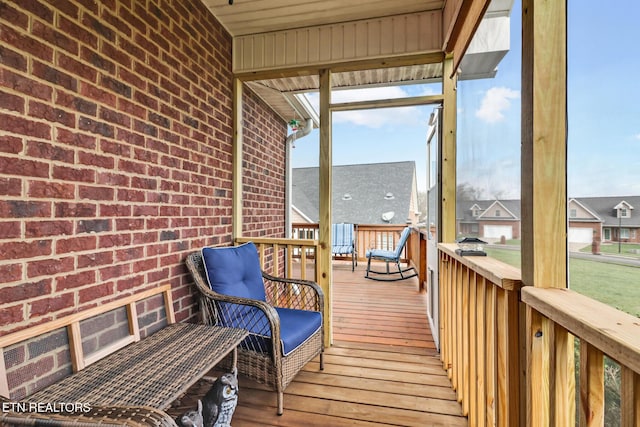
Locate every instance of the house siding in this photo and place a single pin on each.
(116, 156)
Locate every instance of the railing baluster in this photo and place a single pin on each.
(565, 384)
(491, 359)
(591, 385)
(630, 398)
(481, 350)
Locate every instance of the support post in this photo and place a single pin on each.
(237, 159)
(544, 206)
(447, 214)
(324, 256)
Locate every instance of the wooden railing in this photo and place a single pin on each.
(603, 331)
(287, 252)
(479, 327)
(509, 349)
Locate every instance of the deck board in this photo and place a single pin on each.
(382, 370)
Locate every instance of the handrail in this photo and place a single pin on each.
(612, 331)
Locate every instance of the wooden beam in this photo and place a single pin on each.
(464, 19)
(237, 159)
(341, 67)
(447, 214)
(544, 144)
(387, 103)
(326, 162)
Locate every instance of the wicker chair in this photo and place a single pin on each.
(283, 316)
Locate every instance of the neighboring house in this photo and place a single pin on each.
(618, 217)
(490, 219)
(605, 219)
(375, 193)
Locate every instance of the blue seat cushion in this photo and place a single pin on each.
(234, 271)
(347, 249)
(381, 254)
(296, 327)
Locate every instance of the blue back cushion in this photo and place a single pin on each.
(403, 240)
(235, 271)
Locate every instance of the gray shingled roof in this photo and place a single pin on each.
(604, 208)
(464, 213)
(367, 184)
(601, 206)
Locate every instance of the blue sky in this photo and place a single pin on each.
(604, 114)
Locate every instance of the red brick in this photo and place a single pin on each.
(50, 267)
(19, 125)
(72, 28)
(129, 224)
(10, 273)
(57, 38)
(35, 229)
(74, 210)
(76, 67)
(129, 254)
(50, 305)
(76, 139)
(130, 283)
(65, 7)
(73, 174)
(114, 240)
(22, 42)
(76, 244)
(77, 280)
(47, 151)
(26, 85)
(95, 259)
(113, 272)
(24, 209)
(11, 315)
(130, 195)
(11, 102)
(51, 190)
(38, 8)
(96, 292)
(11, 144)
(96, 160)
(113, 179)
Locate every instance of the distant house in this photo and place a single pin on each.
(375, 193)
(606, 219)
(612, 218)
(490, 219)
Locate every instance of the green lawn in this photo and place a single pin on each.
(626, 249)
(612, 284)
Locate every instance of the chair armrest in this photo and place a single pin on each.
(244, 313)
(294, 293)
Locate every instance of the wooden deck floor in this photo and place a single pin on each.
(383, 369)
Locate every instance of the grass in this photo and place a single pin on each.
(612, 284)
(626, 249)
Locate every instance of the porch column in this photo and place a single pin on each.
(237, 160)
(324, 257)
(544, 207)
(447, 214)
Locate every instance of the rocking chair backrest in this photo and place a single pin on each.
(403, 241)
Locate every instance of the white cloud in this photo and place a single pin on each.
(377, 117)
(496, 100)
(637, 136)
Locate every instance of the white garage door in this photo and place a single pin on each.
(497, 231)
(580, 235)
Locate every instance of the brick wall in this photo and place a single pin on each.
(115, 152)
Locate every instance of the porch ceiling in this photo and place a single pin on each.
(250, 17)
(260, 16)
